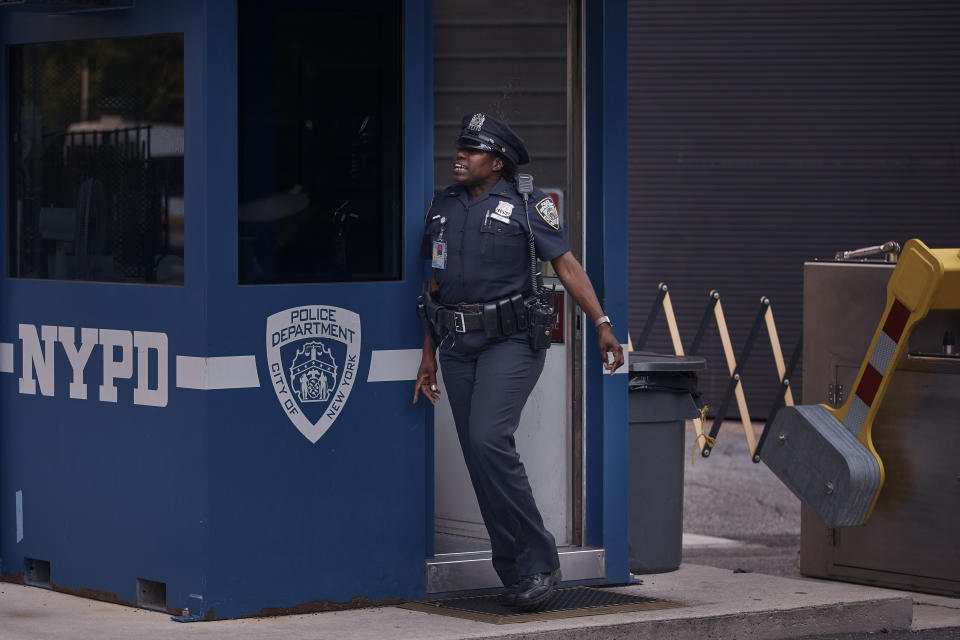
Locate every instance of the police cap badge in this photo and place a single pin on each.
(485, 133)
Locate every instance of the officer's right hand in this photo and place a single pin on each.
(427, 378)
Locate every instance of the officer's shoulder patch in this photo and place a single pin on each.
(548, 211)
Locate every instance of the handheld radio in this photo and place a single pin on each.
(541, 314)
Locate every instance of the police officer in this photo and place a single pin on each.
(477, 316)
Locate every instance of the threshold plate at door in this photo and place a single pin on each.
(571, 602)
(469, 571)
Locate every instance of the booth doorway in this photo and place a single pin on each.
(525, 68)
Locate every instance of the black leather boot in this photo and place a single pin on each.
(535, 590)
(509, 596)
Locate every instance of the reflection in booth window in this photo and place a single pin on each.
(319, 141)
(97, 160)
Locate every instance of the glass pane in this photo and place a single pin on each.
(320, 141)
(97, 160)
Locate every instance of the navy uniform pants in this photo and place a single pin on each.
(488, 381)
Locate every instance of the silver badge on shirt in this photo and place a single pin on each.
(503, 212)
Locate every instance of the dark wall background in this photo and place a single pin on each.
(510, 63)
(766, 134)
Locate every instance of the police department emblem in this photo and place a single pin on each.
(313, 353)
(548, 211)
(476, 122)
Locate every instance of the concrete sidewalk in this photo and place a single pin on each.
(720, 604)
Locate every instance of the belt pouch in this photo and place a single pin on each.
(432, 310)
(508, 320)
(491, 324)
(444, 321)
(519, 311)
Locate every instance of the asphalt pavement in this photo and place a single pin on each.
(728, 496)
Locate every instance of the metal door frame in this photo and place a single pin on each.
(605, 435)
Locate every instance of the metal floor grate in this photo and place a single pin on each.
(571, 602)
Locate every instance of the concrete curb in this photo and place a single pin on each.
(886, 614)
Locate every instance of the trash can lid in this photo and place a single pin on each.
(655, 362)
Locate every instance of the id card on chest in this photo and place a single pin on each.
(440, 247)
(439, 254)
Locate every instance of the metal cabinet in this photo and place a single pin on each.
(910, 540)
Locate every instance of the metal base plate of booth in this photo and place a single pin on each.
(571, 602)
(448, 572)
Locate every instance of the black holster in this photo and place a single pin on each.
(425, 301)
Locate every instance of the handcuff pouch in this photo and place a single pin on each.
(491, 323)
(519, 311)
(508, 320)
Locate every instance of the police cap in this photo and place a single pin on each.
(486, 133)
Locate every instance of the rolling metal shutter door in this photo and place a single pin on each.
(765, 134)
(510, 64)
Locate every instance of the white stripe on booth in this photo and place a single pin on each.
(222, 372)
(626, 362)
(6, 357)
(394, 365)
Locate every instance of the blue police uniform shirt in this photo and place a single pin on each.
(487, 258)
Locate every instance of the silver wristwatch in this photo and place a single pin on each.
(601, 320)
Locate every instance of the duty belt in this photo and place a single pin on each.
(498, 318)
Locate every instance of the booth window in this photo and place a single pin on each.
(97, 160)
(320, 127)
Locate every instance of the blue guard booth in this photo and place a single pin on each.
(207, 335)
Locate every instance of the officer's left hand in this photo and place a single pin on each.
(609, 344)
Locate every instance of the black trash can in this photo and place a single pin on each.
(663, 393)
